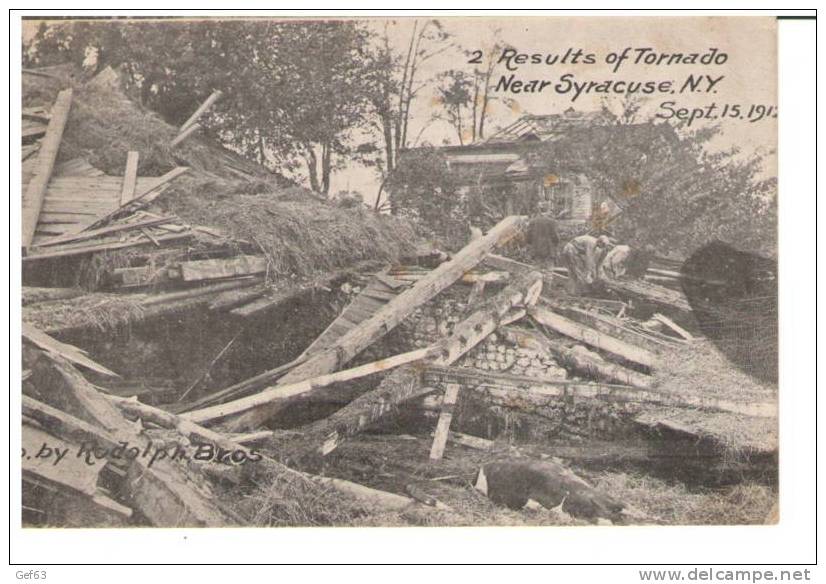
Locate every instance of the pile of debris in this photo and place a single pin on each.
(493, 381)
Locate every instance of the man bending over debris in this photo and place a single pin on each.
(583, 257)
(622, 260)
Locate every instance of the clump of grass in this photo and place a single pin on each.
(104, 312)
(674, 504)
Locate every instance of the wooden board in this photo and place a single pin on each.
(70, 470)
(76, 167)
(241, 265)
(130, 178)
(35, 191)
(69, 352)
(361, 308)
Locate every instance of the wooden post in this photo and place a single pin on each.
(46, 156)
(592, 337)
(184, 135)
(359, 338)
(130, 177)
(443, 425)
(202, 109)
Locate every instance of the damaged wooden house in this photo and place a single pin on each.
(207, 345)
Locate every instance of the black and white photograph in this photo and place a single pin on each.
(399, 271)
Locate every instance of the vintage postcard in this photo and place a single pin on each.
(458, 271)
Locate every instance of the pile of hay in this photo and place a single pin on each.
(300, 233)
(104, 312)
(105, 124)
(300, 237)
(702, 369)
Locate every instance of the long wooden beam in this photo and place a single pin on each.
(50, 145)
(282, 392)
(594, 338)
(389, 316)
(578, 361)
(606, 324)
(522, 392)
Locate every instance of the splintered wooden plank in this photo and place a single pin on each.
(106, 231)
(130, 178)
(222, 268)
(36, 190)
(77, 249)
(145, 192)
(673, 326)
(69, 352)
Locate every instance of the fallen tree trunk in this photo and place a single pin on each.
(592, 337)
(359, 338)
(324, 436)
(578, 361)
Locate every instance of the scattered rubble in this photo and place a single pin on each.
(447, 354)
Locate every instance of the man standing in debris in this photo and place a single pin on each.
(543, 238)
(583, 256)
